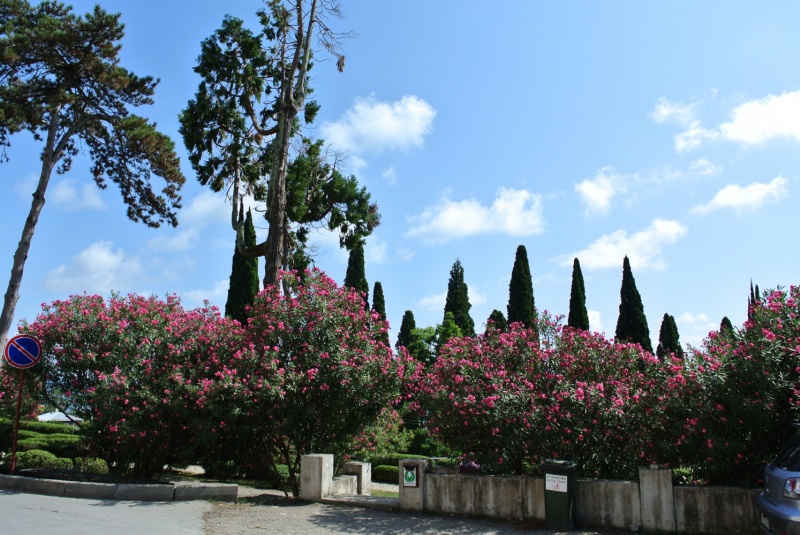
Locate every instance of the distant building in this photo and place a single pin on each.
(59, 418)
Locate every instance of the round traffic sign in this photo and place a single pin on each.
(23, 351)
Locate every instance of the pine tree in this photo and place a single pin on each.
(458, 300)
(244, 276)
(668, 338)
(407, 326)
(496, 322)
(520, 291)
(632, 323)
(355, 277)
(578, 315)
(726, 326)
(379, 306)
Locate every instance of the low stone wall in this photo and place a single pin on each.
(716, 510)
(607, 502)
(499, 497)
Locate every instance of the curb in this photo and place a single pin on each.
(121, 491)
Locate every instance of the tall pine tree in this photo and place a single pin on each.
(496, 322)
(578, 315)
(379, 306)
(244, 275)
(668, 338)
(458, 300)
(632, 323)
(520, 291)
(726, 327)
(407, 327)
(355, 277)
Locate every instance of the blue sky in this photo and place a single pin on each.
(670, 133)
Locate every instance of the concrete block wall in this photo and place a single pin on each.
(610, 503)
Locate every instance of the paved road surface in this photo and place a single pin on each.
(31, 514)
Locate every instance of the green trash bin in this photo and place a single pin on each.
(560, 478)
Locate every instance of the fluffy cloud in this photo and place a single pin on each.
(673, 112)
(433, 301)
(66, 193)
(595, 324)
(704, 167)
(372, 126)
(742, 199)
(513, 212)
(27, 186)
(596, 193)
(760, 120)
(694, 137)
(217, 296)
(390, 175)
(97, 269)
(642, 248)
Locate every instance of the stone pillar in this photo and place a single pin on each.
(364, 473)
(658, 504)
(413, 497)
(316, 476)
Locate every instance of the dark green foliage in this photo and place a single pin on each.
(379, 306)
(755, 297)
(447, 330)
(406, 327)
(520, 291)
(578, 315)
(244, 276)
(458, 300)
(497, 321)
(632, 323)
(90, 465)
(726, 327)
(668, 339)
(422, 345)
(386, 473)
(63, 70)
(355, 277)
(389, 459)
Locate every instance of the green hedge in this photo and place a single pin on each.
(42, 459)
(37, 435)
(386, 474)
(393, 458)
(90, 465)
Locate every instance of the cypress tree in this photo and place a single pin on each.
(496, 321)
(726, 326)
(355, 277)
(379, 306)
(578, 315)
(520, 291)
(458, 300)
(632, 323)
(447, 330)
(668, 338)
(407, 326)
(755, 296)
(243, 285)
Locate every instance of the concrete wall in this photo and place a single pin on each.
(727, 510)
(609, 503)
(499, 497)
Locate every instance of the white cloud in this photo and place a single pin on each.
(673, 112)
(372, 126)
(760, 120)
(597, 192)
(406, 254)
(595, 324)
(476, 298)
(390, 175)
(65, 193)
(27, 186)
(375, 251)
(96, 269)
(182, 240)
(704, 167)
(642, 248)
(513, 212)
(217, 296)
(433, 301)
(694, 137)
(742, 199)
(699, 320)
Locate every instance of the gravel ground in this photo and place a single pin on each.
(386, 487)
(271, 514)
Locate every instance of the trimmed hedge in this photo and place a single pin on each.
(42, 459)
(37, 436)
(393, 458)
(386, 474)
(91, 465)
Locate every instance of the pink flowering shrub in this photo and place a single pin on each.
(9, 390)
(123, 362)
(313, 374)
(507, 403)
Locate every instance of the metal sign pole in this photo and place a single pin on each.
(16, 423)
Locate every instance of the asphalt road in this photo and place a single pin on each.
(31, 514)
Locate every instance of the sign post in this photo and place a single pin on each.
(21, 352)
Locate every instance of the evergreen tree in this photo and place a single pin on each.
(244, 275)
(578, 315)
(379, 306)
(755, 296)
(632, 323)
(355, 277)
(447, 330)
(497, 321)
(520, 291)
(668, 338)
(726, 326)
(407, 326)
(458, 300)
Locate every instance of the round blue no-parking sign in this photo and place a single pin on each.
(23, 351)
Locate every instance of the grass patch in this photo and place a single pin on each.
(385, 493)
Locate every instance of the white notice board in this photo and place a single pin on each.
(555, 482)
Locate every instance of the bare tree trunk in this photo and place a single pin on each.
(276, 208)
(21, 255)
